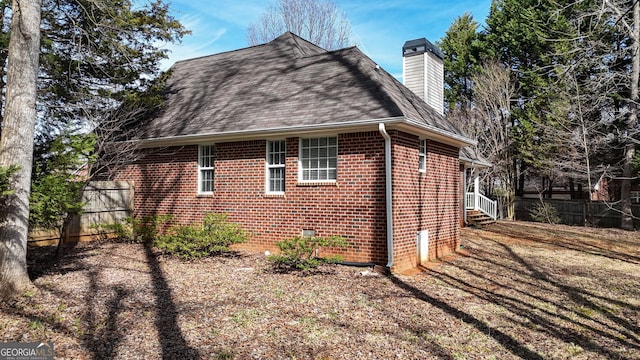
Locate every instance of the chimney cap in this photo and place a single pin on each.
(420, 46)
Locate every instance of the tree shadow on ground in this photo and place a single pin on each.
(42, 260)
(567, 239)
(494, 273)
(174, 346)
(507, 341)
(101, 330)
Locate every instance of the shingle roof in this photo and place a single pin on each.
(287, 82)
(470, 157)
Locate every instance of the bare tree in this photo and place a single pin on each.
(607, 43)
(489, 120)
(319, 21)
(16, 143)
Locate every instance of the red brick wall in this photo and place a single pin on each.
(424, 200)
(354, 207)
(166, 183)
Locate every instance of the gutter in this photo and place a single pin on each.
(400, 123)
(388, 192)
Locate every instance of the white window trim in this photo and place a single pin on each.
(203, 168)
(269, 166)
(301, 170)
(422, 156)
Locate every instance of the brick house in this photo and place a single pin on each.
(288, 138)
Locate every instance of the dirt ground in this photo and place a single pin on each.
(518, 290)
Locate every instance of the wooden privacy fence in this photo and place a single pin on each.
(104, 202)
(580, 212)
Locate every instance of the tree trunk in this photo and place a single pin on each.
(3, 60)
(629, 150)
(16, 143)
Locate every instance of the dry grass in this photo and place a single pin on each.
(521, 290)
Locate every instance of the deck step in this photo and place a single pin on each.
(478, 218)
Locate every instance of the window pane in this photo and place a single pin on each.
(206, 177)
(323, 152)
(206, 156)
(333, 174)
(276, 182)
(332, 152)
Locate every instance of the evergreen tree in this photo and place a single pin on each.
(462, 50)
(519, 34)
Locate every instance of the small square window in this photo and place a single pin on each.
(319, 159)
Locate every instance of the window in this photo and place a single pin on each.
(319, 159)
(635, 197)
(205, 169)
(422, 166)
(276, 157)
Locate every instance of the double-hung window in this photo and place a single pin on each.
(205, 169)
(276, 158)
(319, 159)
(422, 156)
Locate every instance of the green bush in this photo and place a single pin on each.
(6, 173)
(298, 252)
(214, 236)
(143, 230)
(544, 212)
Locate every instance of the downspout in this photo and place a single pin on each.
(388, 192)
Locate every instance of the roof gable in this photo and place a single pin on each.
(286, 83)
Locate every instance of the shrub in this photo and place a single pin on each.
(297, 252)
(144, 230)
(6, 174)
(544, 212)
(214, 236)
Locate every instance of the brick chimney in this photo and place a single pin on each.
(423, 71)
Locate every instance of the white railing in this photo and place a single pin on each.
(477, 201)
(470, 204)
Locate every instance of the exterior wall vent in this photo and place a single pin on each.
(308, 233)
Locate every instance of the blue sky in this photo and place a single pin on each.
(379, 27)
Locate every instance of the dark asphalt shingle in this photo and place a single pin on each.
(287, 82)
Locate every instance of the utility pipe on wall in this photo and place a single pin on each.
(388, 192)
